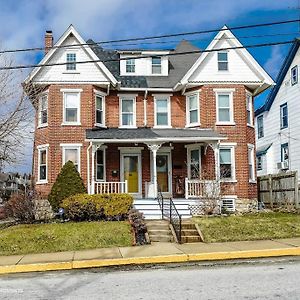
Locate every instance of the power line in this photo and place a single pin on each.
(147, 56)
(155, 37)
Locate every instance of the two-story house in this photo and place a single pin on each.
(133, 120)
(277, 123)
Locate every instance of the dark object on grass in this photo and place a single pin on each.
(138, 224)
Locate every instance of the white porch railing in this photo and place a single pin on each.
(111, 187)
(195, 188)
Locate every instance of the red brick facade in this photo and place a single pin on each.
(55, 133)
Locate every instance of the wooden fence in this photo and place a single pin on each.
(277, 190)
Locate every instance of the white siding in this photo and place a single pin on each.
(272, 132)
(84, 72)
(238, 69)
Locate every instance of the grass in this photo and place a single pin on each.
(249, 227)
(54, 237)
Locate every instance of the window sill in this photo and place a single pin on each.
(228, 180)
(250, 125)
(42, 182)
(70, 124)
(42, 125)
(252, 181)
(71, 72)
(100, 125)
(162, 126)
(282, 128)
(225, 124)
(192, 125)
(128, 127)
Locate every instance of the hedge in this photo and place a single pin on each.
(85, 207)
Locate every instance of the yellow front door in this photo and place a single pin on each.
(131, 168)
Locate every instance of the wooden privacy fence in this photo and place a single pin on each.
(276, 190)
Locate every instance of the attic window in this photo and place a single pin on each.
(156, 65)
(130, 66)
(222, 61)
(294, 75)
(71, 61)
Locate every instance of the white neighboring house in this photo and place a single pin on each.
(277, 122)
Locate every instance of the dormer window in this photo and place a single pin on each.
(130, 66)
(223, 61)
(71, 61)
(156, 65)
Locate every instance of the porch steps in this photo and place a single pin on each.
(189, 233)
(159, 231)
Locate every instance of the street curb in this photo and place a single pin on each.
(84, 264)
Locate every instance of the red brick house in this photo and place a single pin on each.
(115, 116)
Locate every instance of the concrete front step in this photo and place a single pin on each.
(189, 232)
(190, 239)
(161, 238)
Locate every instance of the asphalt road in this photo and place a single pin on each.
(261, 280)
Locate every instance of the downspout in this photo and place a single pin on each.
(108, 86)
(145, 108)
(88, 167)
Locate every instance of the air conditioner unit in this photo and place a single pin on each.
(283, 165)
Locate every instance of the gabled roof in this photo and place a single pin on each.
(253, 64)
(70, 31)
(178, 66)
(280, 77)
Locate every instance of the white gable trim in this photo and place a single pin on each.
(71, 30)
(253, 64)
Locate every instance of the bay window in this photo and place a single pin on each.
(71, 152)
(43, 111)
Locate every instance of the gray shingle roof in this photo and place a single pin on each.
(178, 66)
(122, 134)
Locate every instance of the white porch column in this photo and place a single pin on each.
(216, 148)
(95, 147)
(154, 148)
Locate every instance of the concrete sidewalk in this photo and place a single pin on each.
(148, 254)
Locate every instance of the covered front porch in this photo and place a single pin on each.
(181, 163)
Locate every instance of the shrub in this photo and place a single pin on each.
(83, 207)
(139, 226)
(68, 182)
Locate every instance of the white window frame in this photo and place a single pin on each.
(65, 92)
(249, 108)
(127, 97)
(162, 97)
(190, 148)
(188, 95)
(261, 117)
(102, 95)
(158, 73)
(103, 149)
(130, 62)
(223, 61)
(228, 92)
(40, 124)
(294, 80)
(71, 147)
(251, 162)
(230, 146)
(72, 62)
(41, 148)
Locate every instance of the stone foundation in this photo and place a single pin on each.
(43, 210)
(243, 205)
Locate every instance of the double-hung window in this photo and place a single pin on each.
(192, 109)
(130, 66)
(227, 163)
(294, 75)
(100, 112)
(249, 109)
(43, 110)
(156, 65)
(222, 61)
(260, 126)
(283, 116)
(127, 112)
(224, 108)
(71, 107)
(42, 163)
(251, 163)
(71, 62)
(100, 166)
(162, 111)
(71, 152)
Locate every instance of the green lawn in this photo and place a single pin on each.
(249, 227)
(38, 238)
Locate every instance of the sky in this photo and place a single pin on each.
(24, 22)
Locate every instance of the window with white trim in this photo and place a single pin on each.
(259, 162)
(194, 163)
(294, 75)
(100, 113)
(249, 109)
(71, 108)
(223, 61)
(260, 126)
(71, 61)
(251, 162)
(162, 111)
(43, 110)
(224, 108)
(284, 116)
(130, 65)
(127, 112)
(100, 166)
(156, 65)
(284, 152)
(72, 153)
(227, 163)
(42, 164)
(192, 109)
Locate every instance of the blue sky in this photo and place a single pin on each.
(23, 23)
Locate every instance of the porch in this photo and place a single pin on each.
(122, 161)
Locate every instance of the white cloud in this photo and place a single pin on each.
(274, 62)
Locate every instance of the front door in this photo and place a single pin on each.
(131, 172)
(163, 172)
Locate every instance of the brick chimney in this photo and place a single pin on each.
(48, 41)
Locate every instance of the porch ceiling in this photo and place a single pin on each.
(148, 135)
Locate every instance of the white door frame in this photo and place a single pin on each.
(138, 154)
